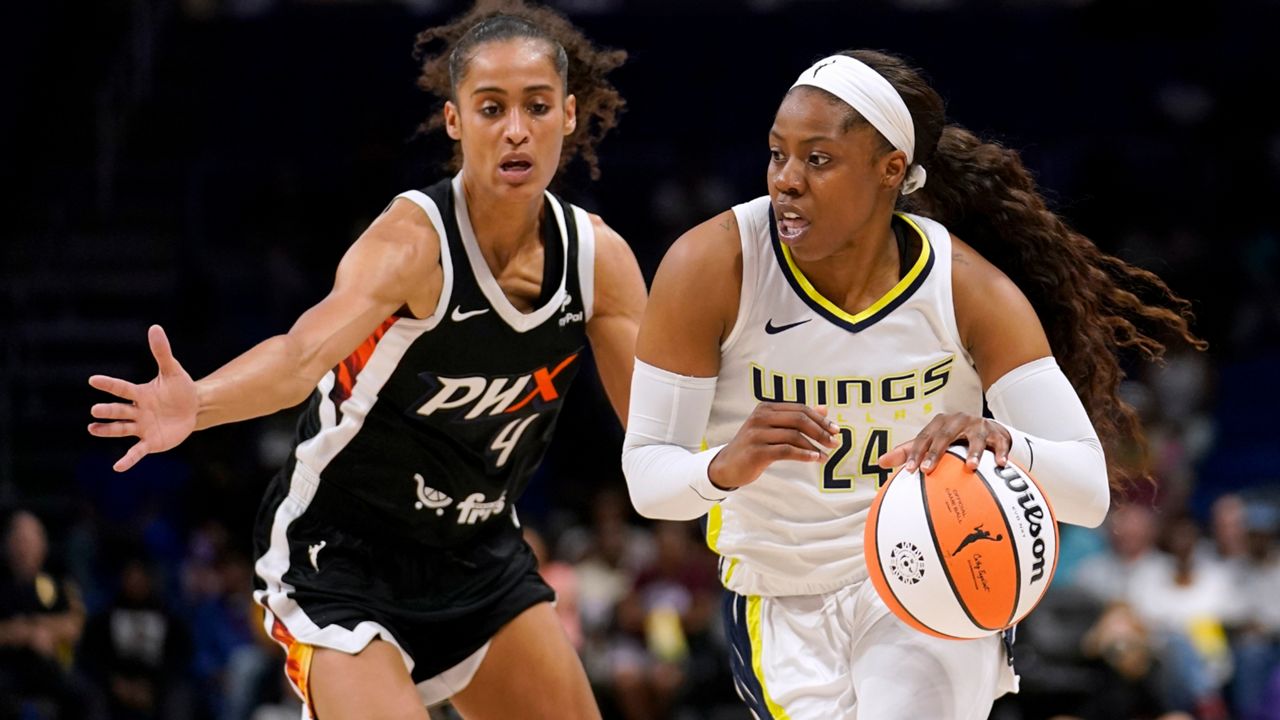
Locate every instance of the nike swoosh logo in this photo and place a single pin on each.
(459, 316)
(772, 329)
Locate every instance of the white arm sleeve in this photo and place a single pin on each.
(666, 475)
(1053, 439)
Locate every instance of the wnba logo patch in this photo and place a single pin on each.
(907, 563)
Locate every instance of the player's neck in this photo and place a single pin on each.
(861, 272)
(502, 225)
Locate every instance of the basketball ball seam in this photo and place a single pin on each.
(933, 534)
(1013, 545)
(887, 584)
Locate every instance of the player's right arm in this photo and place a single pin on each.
(693, 306)
(394, 263)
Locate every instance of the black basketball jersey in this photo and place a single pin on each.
(432, 428)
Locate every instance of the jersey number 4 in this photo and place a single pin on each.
(838, 476)
(507, 439)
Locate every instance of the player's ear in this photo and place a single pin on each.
(570, 114)
(893, 168)
(452, 120)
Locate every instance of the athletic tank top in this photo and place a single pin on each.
(431, 429)
(883, 374)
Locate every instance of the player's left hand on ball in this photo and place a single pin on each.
(946, 430)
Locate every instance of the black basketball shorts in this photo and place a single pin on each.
(324, 583)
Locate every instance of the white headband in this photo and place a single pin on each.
(866, 91)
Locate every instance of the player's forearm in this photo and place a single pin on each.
(271, 376)
(666, 477)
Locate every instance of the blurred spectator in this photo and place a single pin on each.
(667, 616)
(1185, 599)
(1228, 541)
(564, 580)
(1106, 576)
(1128, 686)
(139, 652)
(256, 685)
(1055, 675)
(41, 619)
(1256, 639)
(606, 559)
(220, 605)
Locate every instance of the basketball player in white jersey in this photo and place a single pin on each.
(390, 562)
(799, 346)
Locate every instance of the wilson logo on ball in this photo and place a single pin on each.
(989, 532)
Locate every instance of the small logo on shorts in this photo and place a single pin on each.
(907, 563)
(314, 552)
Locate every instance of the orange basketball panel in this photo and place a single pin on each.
(974, 541)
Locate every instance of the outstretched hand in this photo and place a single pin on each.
(161, 413)
(944, 431)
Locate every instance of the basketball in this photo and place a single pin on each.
(959, 554)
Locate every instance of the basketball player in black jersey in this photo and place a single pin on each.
(390, 560)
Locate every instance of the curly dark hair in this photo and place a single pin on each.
(1093, 305)
(580, 64)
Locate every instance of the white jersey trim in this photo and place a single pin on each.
(280, 605)
(586, 260)
(519, 321)
(446, 262)
(278, 597)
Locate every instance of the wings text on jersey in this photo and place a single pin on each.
(773, 386)
(476, 397)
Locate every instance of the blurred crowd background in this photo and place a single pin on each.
(204, 163)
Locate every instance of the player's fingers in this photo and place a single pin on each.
(912, 450)
(787, 451)
(938, 443)
(817, 414)
(114, 411)
(819, 430)
(921, 443)
(115, 386)
(894, 457)
(787, 436)
(977, 440)
(160, 349)
(113, 429)
(820, 415)
(1001, 443)
(131, 458)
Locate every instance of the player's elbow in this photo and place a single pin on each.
(1096, 510)
(644, 500)
(654, 485)
(1086, 501)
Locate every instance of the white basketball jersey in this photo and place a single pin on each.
(883, 373)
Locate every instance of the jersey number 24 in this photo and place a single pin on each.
(841, 471)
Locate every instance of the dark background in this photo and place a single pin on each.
(203, 164)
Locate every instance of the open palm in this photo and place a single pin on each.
(161, 413)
